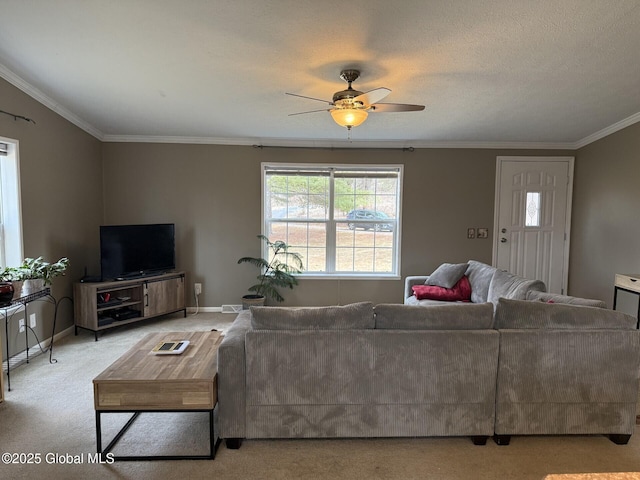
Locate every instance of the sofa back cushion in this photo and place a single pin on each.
(447, 275)
(345, 317)
(479, 277)
(557, 298)
(522, 314)
(460, 316)
(508, 285)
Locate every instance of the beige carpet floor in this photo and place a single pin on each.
(50, 412)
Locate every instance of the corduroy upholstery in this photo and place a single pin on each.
(557, 298)
(359, 382)
(488, 284)
(345, 317)
(449, 370)
(565, 369)
(465, 316)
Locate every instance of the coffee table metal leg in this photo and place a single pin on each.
(98, 433)
(118, 435)
(212, 447)
(213, 443)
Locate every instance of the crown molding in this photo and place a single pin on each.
(624, 123)
(327, 143)
(178, 139)
(40, 97)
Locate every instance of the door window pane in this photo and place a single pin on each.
(532, 212)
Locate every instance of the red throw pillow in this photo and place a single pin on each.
(461, 292)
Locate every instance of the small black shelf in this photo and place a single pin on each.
(119, 305)
(111, 303)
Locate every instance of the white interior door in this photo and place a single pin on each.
(533, 218)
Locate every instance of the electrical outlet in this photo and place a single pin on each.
(21, 325)
(197, 288)
(32, 320)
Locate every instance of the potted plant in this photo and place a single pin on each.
(8, 285)
(13, 276)
(275, 272)
(37, 274)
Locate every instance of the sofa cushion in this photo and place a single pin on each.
(447, 275)
(345, 317)
(507, 285)
(515, 314)
(412, 300)
(557, 298)
(458, 316)
(461, 292)
(479, 277)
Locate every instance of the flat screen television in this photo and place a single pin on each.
(128, 251)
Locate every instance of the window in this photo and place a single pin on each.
(342, 220)
(532, 208)
(10, 211)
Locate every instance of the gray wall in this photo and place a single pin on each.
(213, 195)
(61, 188)
(72, 183)
(605, 237)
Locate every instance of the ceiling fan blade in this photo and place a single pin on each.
(395, 107)
(309, 98)
(372, 96)
(310, 111)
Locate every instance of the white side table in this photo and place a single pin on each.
(628, 282)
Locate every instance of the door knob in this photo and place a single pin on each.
(503, 240)
(504, 230)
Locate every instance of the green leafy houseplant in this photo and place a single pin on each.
(276, 272)
(10, 274)
(37, 268)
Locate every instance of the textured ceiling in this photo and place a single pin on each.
(551, 73)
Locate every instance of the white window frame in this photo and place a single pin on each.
(395, 274)
(11, 246)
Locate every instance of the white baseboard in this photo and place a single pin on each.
(231, 308)
(204, 309)
(21, 357)
(62, 334)
(223, 309)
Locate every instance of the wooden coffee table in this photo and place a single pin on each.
(140, 381)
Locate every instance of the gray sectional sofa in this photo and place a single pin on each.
(468, 369)
(565, 369)
(488, 284)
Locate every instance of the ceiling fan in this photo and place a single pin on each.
(351, 107)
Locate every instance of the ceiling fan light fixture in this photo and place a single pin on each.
(349, 117)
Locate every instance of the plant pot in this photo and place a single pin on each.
(6, 293)
(249, 301)
(17, 288)
(32, 285)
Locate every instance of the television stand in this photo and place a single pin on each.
(129, 300)
(135, 276)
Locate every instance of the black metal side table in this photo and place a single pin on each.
(9, 310)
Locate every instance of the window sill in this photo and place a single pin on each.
(342, 276)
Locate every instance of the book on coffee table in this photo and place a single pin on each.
(170, 347)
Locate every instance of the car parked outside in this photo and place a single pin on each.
(376, 218)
